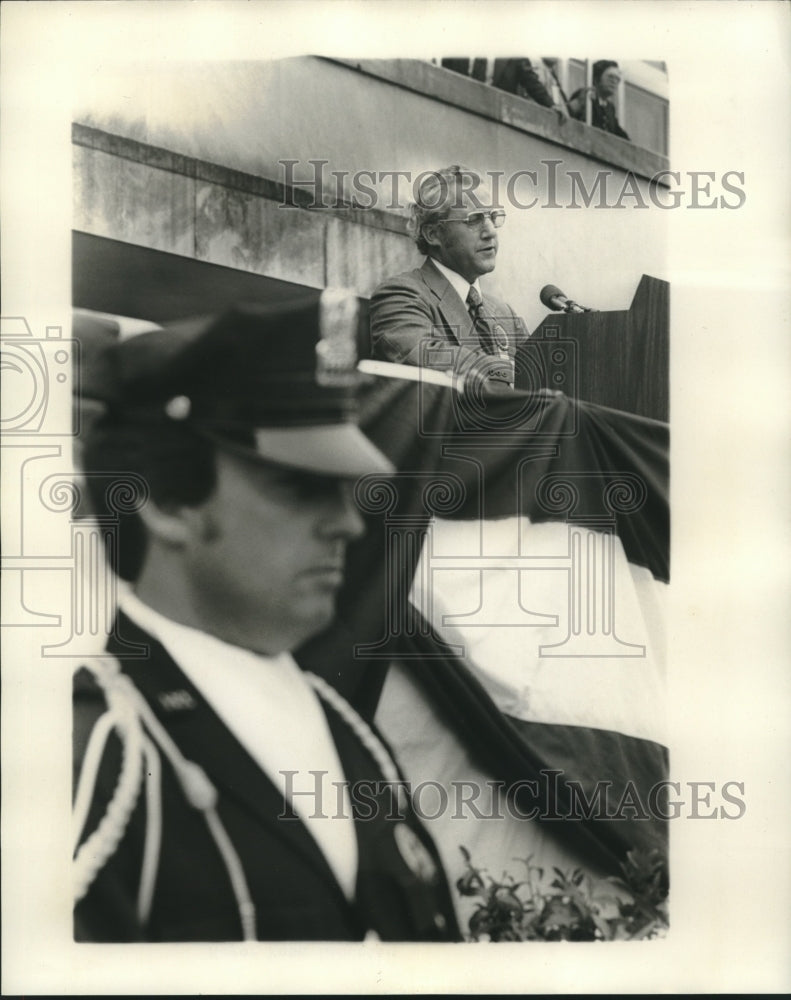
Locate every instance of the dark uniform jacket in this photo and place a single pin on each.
(402, 894)
(418, 318)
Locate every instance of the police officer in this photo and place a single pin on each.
(221, 791)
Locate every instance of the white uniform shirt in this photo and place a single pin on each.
(275, 714)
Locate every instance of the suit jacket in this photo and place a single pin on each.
(603, 116)
(401, 893)
(418, 318)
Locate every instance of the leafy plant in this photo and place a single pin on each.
(572, 906)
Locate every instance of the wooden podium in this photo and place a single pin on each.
(618, 359)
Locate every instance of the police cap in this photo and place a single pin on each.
(278, 382)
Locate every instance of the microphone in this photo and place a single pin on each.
(552, 297)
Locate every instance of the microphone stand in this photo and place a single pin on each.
(574, 307)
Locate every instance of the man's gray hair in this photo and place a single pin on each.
(438, 193)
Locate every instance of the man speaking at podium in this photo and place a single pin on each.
(436, 316)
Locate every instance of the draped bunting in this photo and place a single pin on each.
(570, 499)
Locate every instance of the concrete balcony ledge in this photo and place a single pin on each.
(517, 112)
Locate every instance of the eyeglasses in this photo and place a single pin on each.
(476, 220)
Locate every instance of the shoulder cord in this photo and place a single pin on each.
(131, 715)
(93, 854)
(363, 732)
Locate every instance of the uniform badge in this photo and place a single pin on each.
(500, 338)
(336, 351)
(414, 853)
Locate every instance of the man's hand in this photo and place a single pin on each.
(576, 105)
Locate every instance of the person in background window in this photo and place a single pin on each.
(606, 77)
(517, 76)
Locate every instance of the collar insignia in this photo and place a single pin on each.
(177, 701)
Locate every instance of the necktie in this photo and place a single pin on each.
(482, 328)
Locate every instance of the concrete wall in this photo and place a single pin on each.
(229, 124)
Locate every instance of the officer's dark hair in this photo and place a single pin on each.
(166, 460)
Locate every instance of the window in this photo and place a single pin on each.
(645, 118)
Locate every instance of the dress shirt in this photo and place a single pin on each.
(275, 714)
(459, 284)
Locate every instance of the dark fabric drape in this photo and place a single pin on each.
(537, 454)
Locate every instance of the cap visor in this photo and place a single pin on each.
(329, 450)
